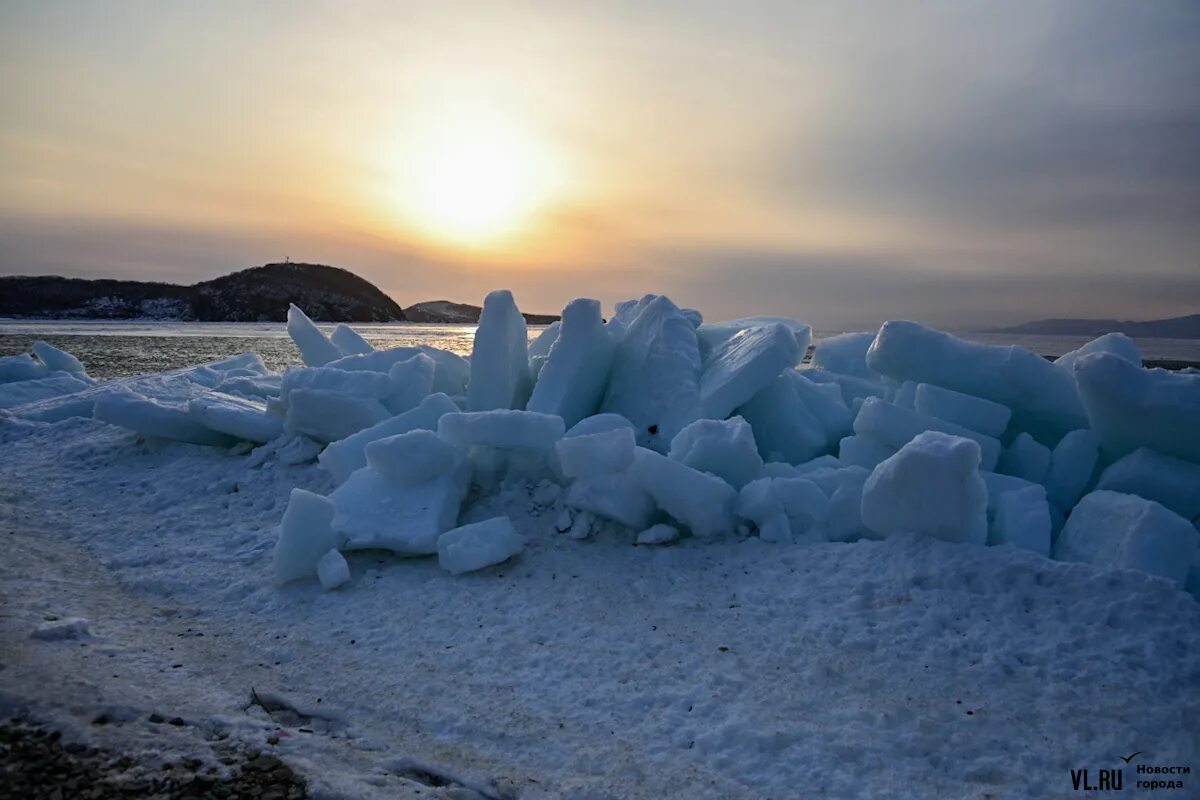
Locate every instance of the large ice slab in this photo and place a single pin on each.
(54, 385)
(540, 346)
(449, 377)
(305, 535)
(742, 365)
(895, 426)
(1022, 519)
(974, 413)
(701, 502)
(478, 545)
(784, 509)
(852, 387)
(845, 354)
(261, 387)
(413, 457)
(1071, 466)
(863, 451)
(825, 402)
(1026, 458)
(21, 368)
(328, 379)
(315, 348)
(930, 486)
(845, 504)
(328, 416)
(724, 448)
(655, 376)
(1118, 344)
(341, 458)
(501, 428)
(595, 454)
(784, 427)
(152, 418)
(714, 334)
(625, 312)
(615, 496)
(1132, 407)
(598, 423)
(332, 570)
(172, 389)
(348, 341)
(571, 382)
(376, 513)
(412, 380)
(904, 395)
(1163, 479)
(1042, 396)
(500, 376)
(236, 417)
(59, 360)
(1124, 531)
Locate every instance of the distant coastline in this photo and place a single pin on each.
(1187, 327)
(257, 294)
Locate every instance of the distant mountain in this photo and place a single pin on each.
(449, 313)
(1175, 328)
(258, 294)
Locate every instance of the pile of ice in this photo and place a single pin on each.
(657, 426)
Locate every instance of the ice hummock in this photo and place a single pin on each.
(655, 421)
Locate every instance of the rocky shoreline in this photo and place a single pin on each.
(36, 763)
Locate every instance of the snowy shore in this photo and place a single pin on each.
(728, 669)
(802, 649)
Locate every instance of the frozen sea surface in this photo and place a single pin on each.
(115, 349)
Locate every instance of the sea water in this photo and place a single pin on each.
(118, 348)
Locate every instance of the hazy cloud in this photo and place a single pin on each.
(958, 162)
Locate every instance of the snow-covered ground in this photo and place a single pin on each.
(758, 657)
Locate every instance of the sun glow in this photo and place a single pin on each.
(473, 179)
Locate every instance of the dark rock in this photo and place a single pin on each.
(249, 295)
(36, 765)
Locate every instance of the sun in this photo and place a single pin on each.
(473, 179)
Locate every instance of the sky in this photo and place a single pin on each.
(960, 163)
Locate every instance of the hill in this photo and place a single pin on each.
(447, 313)
(258, 294)
(1174, 328)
